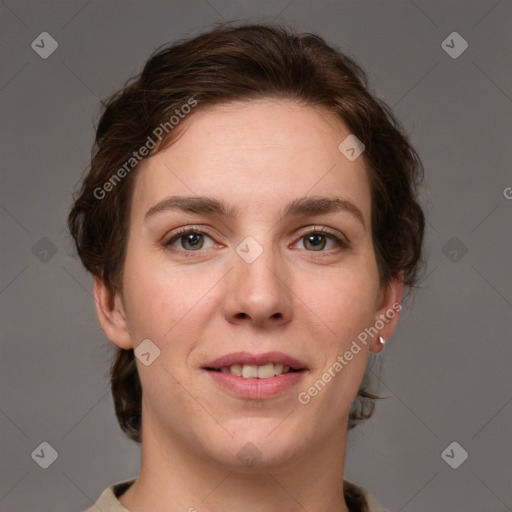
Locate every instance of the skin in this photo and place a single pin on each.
(308, 303)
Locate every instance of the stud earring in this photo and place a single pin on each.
(382, 340)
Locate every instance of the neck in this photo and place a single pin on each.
(174, 477)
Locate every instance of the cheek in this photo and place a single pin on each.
(345, 309)
(342, 301)
(164, 301)
(154, 298)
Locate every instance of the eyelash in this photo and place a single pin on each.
(342, 243)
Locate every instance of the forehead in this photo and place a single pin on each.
(256, 154)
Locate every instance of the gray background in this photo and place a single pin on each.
(446, 370)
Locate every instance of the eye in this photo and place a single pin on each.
(317, 240)
(190, 239)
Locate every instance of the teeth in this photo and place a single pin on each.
(265, 372)
(236, 369)
(252, 371)
(249, 371)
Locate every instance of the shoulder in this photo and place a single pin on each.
(108, 502)
(358, 499)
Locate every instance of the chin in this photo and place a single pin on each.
(260, 444)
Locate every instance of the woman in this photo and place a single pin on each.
(251, 220)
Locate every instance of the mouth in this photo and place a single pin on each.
(256, 376)
(253, 371)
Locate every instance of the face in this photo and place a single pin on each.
(267, 281)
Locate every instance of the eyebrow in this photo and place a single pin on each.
(210, 206)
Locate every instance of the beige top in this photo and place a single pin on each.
(357, 498)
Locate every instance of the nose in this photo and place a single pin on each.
(258, 293)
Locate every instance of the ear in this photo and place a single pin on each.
(111, 314)
(389, 305)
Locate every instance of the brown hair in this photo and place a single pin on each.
(240, 63)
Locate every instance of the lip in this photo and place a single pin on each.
(256, 389)
(257, 359)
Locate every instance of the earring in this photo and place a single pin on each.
(382, 340)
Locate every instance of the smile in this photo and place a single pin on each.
(252, 371)
(256, 376)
